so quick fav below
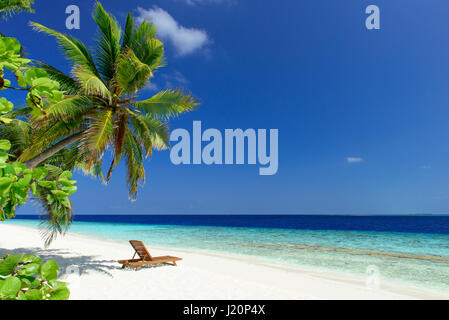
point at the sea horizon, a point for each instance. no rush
(436, 224)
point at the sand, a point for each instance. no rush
(89, 264)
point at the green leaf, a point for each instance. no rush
(27, 258)
(5, 105)
(33, 294)
(47, 184)
(9, 264)
(70, 190)
(21, 296)
(6, 84)
(59, 194)
(65, 175)
(45, 84)
(5, 120)
(9, 45)
(20, 79)
(49, 270)
(34, 189)
(5, 185)
(24, 182)
(29, 269)
(60, 294)
(5, 145)
(9, 170)
(30, 282)
(20, 168)
(33, 74)
(67, 183)
(10, 287)
(40, 173)
(3, 157)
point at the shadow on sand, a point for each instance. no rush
(81, 264)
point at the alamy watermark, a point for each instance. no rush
(372, 280)
(372, 22)
(228, 150)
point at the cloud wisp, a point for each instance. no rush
(185, 40)
(354, 160)
(169, 81)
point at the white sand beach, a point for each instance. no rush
(197, 276)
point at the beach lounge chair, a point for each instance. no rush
(145, 257)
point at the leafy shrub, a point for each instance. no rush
(24, 277)
(16, 180)
(34, 80)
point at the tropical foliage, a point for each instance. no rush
(49, 185)
(101, 110)
(10, 7)
(24, 277)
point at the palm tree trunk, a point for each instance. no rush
(33, 163)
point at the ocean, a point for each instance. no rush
(413, 250)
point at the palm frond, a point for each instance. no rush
(18, 113)
(66, 83)
(47, 135)
(160, 134)
(168, 103)
(90, 83)
(11, 7)
(151, 132)
(69, 109)
(56, 218)
(135, 169)
(108, 42)
(128, 34)
(142, 131)
(100, 134)
(119, 136)
(147, 47)
(132, 74)
(19, 134)
(74, 50)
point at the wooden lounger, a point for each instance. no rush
(145, 257)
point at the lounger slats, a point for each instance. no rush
(145, 257)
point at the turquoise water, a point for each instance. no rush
(418, 259)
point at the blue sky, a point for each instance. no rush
(308, 68)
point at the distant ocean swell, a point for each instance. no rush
(350, 251)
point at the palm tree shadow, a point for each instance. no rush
(84, 263)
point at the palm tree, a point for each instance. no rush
(10, 7)
(101, 110)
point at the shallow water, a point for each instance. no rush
(416, 259)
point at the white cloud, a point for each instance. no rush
(426, 167)
(175, 79)
(152, 87)
(170, 80)
(354, 160)
(185, 40)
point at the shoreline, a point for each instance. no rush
(200, 275)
